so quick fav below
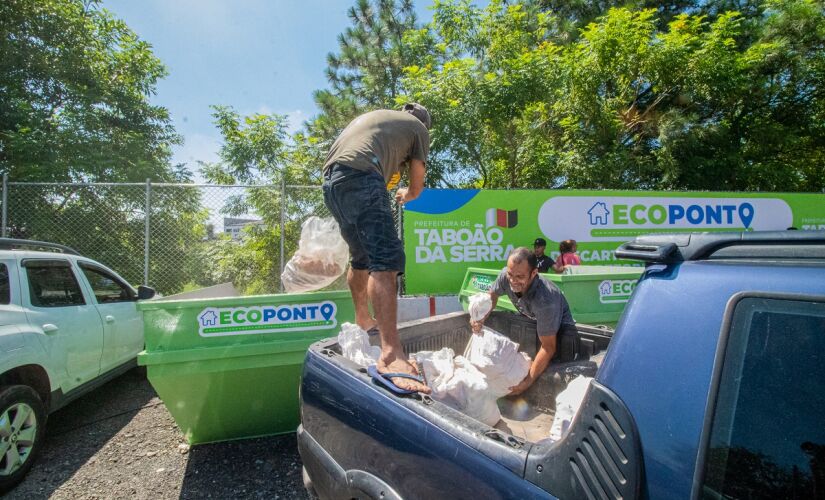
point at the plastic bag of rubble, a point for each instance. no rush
(499, 359)
(458, 384)
(355, 345)
(321, 257)
(479, 305)
(567, 405)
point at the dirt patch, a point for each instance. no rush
(120, 442)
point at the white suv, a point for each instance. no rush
(67, 325)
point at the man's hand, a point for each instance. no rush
(401, 196)
(522, 386)
(476, 326)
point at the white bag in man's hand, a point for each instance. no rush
(321, 257)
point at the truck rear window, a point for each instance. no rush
(768, 437)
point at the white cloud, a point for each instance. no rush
(295, 120)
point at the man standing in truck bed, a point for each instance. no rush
(363, 163)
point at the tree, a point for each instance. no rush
(257, 151)
(75, 84)
(721, 102)
(366, 72)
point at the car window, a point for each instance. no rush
(106, 287)
(53, 284)
(768, 433)
(5, 289)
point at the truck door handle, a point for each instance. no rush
(109, 318)
(50, 328)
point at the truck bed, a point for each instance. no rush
(530, 415)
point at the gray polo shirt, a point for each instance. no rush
(543, 302)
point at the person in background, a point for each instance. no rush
(543, 262)
(538, 299)
(567, 256)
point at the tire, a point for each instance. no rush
(22, 427)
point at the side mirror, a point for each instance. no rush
(145, 292)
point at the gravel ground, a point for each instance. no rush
(120, 442)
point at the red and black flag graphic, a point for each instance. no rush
(502, 218)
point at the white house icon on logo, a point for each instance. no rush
(598, 214)
(208, 318)
(604, 288)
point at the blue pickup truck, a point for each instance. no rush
(712, 386)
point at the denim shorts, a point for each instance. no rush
(360, 203)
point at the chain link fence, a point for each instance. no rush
(173, 237)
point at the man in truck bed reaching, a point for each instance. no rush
(538, 299)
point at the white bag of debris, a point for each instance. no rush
(321, 257)
(458, 384)
(479, 305)
(355, 345)
(499, 359)
(567, 405)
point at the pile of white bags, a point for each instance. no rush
(355, 345)
(321, 257)
(472, 384)
(567, 405)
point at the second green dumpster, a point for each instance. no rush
(230, 368)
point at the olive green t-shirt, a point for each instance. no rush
(383, 141)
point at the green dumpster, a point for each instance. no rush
(597, 295)
(230, 368)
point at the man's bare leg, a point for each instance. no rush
(382, 294)
(357, 280)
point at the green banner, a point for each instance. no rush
(446, 231)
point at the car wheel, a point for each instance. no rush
(22, 426)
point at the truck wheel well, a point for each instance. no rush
(33, 376)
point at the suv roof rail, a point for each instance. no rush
(672, 248)
(14, 243)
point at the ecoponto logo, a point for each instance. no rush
(620, 218)
(616, 291)
(218, 321)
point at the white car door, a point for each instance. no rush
(71, 328)
(122, 322)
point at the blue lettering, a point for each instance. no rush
(694, 214)
(675, 212)
(299, 313)
(729, 213)
(269, 313)
(311, 310)
(714, 214)
(284, 314)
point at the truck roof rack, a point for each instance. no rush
(14, 243)
(753, 245)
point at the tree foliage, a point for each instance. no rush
(75, 84)
(366, 72)
(716, 101)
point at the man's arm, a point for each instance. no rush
(475, 326)
(418, 171)
(543, 357)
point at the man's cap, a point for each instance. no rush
(419, 112)
(540, 242)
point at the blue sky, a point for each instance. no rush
(254, 55)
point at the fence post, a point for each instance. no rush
(147, 232)
(283, 214)
(5, 204)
